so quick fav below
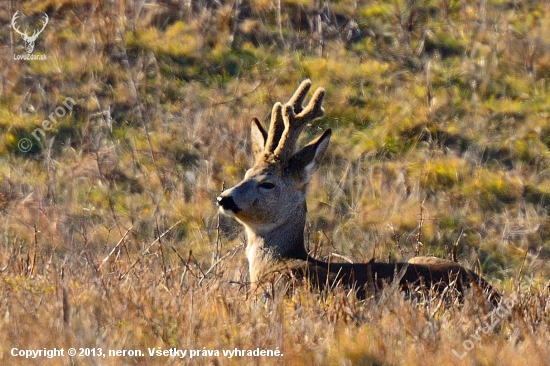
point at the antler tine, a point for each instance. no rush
(15, 27)
(276, 128)
(44, 22)
(295, 122)
(314, 109)
(299, 95)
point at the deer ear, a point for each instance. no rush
(259, 137)
(305, 162)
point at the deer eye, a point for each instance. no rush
(267, 185)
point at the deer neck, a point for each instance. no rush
(284, 241)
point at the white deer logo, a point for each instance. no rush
(29, 40)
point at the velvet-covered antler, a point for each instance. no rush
(288, 121)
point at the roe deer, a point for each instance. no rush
(270, 203)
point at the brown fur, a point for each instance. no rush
(372, 276)
(420, 273)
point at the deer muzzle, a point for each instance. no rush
(227, 204)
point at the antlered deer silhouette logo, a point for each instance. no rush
(29, 40)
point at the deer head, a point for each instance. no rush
(29, 40)
(270, 202)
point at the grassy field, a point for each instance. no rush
(114, 147)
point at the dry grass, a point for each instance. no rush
(163, 298)
(110, 232)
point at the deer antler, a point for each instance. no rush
(276, 129)
(35, 34)
(295, 118)
(44, 23)
(288, 121)
(15, 27)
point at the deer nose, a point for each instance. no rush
(227, 203)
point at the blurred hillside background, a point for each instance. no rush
(441, 135)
